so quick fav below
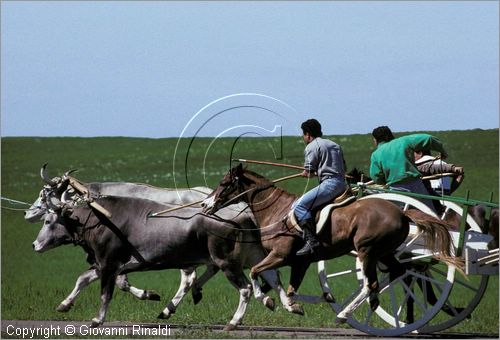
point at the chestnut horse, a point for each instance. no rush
(373, 227)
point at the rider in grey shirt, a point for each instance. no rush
(324, 158)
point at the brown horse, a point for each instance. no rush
(373, 227)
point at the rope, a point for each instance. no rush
(15, 202)
(15, 209)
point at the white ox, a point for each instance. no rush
(50, 200)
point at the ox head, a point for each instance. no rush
(53, 233)
(49, 198)
(227, 192)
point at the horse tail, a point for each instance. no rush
(437, 237)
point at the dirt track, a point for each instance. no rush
(40, 329)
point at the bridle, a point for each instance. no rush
(239, 187)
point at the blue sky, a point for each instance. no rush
(147, 69)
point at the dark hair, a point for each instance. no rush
(313, 127)
(382, 134)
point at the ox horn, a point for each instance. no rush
(66, 203)
(67, 173)
(45, 177)
(64, 197)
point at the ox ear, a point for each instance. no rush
(66, 211)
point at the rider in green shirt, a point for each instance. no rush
(393, 162)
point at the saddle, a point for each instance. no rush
(323, 212)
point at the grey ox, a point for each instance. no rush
(50, 200)
(131, 241)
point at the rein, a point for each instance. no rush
(285, 230)
(260, 187)
(77, 233)
(17, 202)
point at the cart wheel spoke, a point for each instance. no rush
(418, 295)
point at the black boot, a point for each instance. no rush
(312, 243)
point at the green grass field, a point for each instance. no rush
(34, 284)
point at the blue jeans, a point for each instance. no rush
(416, 186)
(325, 192)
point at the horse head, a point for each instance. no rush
(231, 189)
(355, 176)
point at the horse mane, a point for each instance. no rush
(263, 180)
(256, 175)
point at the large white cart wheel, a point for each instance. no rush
(390, 317)
(466, 293)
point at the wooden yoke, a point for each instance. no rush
(83, 190)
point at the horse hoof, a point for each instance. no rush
(153, 296)
(163, 316)
(409, 321)
(96, 323)
(297, 309)
(329, 297)
(269, 303)
(197, 296)
(64, 308)
(340, 320)
(229, 327)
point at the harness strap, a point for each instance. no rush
(259, 187)
(285, 230)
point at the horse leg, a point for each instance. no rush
(198, 283)
(429, 296)
(369, 289)
(396, 270)
(370, 271)
(83, 281)
(297, 273)
(271, 261)
(141, 294)
(237, 277)
(432, 299)
(285, 299)
(255, 255)
(272, 278)
(187, 278)
(410, 303)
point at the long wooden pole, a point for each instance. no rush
(174, 209)
(269, 163)
(251, 161)
(435, 176)
(286, 177)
